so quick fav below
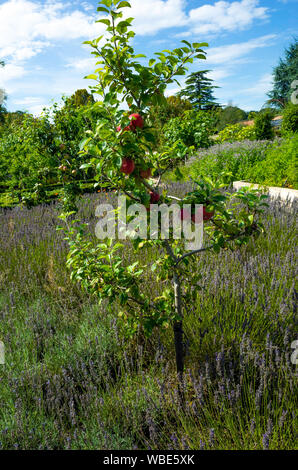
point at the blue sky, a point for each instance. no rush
(41, 43)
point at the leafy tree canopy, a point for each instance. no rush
(199, 90)
(80, 98)
(230, 115)
(283, 76)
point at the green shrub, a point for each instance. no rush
(235, 158)
(32, 149)
(290, 119)
(263, 162)
(279, 168)
(193, 129)
(236, 132)
(28, 152)
(263, 126)
(229, 115)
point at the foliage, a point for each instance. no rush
(236, 132)
(260, 162)
(120, 148)
(236, 159)
(174, 106)
(28, 152)
(199, 91)
(43, 151)
(79, 98)
(193, 129)
(290, 119)
(263, 126)
(283, 76)
(252, 115)
(279, 168)
(229, 115)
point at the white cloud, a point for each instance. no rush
(226, 16)
(153, 15)
(86, 65)
(219, 74)
(26, 27)
(261, 87)
(33, 104)
(28, 100)
(8, 73)
(233, 52)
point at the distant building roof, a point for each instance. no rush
(247, 123)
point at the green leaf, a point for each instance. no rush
(107, 22)
(124, 4)
(85, 165)
(91, 77)
(103, 9)
(196, 45)
(187, 43)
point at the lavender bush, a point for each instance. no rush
(262, 161)
(72, 380)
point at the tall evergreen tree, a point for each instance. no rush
(283, 76)
(199, 90)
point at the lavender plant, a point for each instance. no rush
(72, 379)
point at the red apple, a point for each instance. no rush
(207, 215)
(145, 173)
(127, 166)
(119, 129)
(154, 197)
(136, 121)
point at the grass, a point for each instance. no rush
(72, 380)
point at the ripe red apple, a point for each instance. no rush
(119, 129)
(136, 121)
(145, 173)
(154, 197)
(207, 215)
(127, 166)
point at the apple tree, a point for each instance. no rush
(122, 153)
